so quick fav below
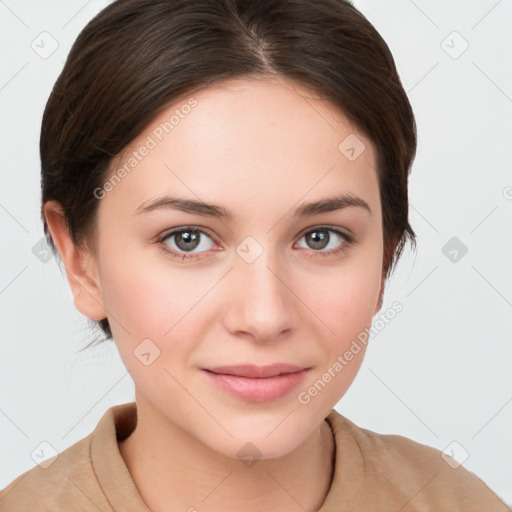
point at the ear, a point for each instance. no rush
(388, 256)
(80, 265)
(381, 294)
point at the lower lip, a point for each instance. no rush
(257, 390)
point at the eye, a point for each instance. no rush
(186, 242)
(323, 237)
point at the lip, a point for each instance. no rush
(257, 383)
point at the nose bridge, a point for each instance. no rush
(262, 305)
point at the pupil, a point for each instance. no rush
(186, 238)
(319, 239)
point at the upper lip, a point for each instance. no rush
(252, 371)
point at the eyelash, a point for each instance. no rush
(348, 240)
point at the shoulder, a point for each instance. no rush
(418, 476)
(90, 475)
(64, 482)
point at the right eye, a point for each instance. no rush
(186, 242)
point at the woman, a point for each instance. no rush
(274, 138)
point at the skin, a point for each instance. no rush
(259, 148)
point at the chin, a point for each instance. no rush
(249, 450)
(263, 436)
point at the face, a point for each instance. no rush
(234, 316)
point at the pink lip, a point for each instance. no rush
(257, 383)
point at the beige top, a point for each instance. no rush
(373, 472)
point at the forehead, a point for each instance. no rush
(241, 139)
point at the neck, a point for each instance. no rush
(174, 471)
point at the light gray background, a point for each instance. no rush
(439, 372)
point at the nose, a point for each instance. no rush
(261, 304)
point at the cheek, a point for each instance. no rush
(346, 311)
(135, 303)
(143, 296)
(145, 314)
(347, 299)
(151, 302)
(345, 303)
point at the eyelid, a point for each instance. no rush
(344, 231)
(168, 232)
(186, 226)
(171, 231)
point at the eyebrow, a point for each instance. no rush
(192, 206)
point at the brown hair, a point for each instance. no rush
(138, 56)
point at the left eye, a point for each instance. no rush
(320, 238)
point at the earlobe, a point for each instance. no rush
(81, 269)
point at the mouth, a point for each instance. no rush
(257, 383)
